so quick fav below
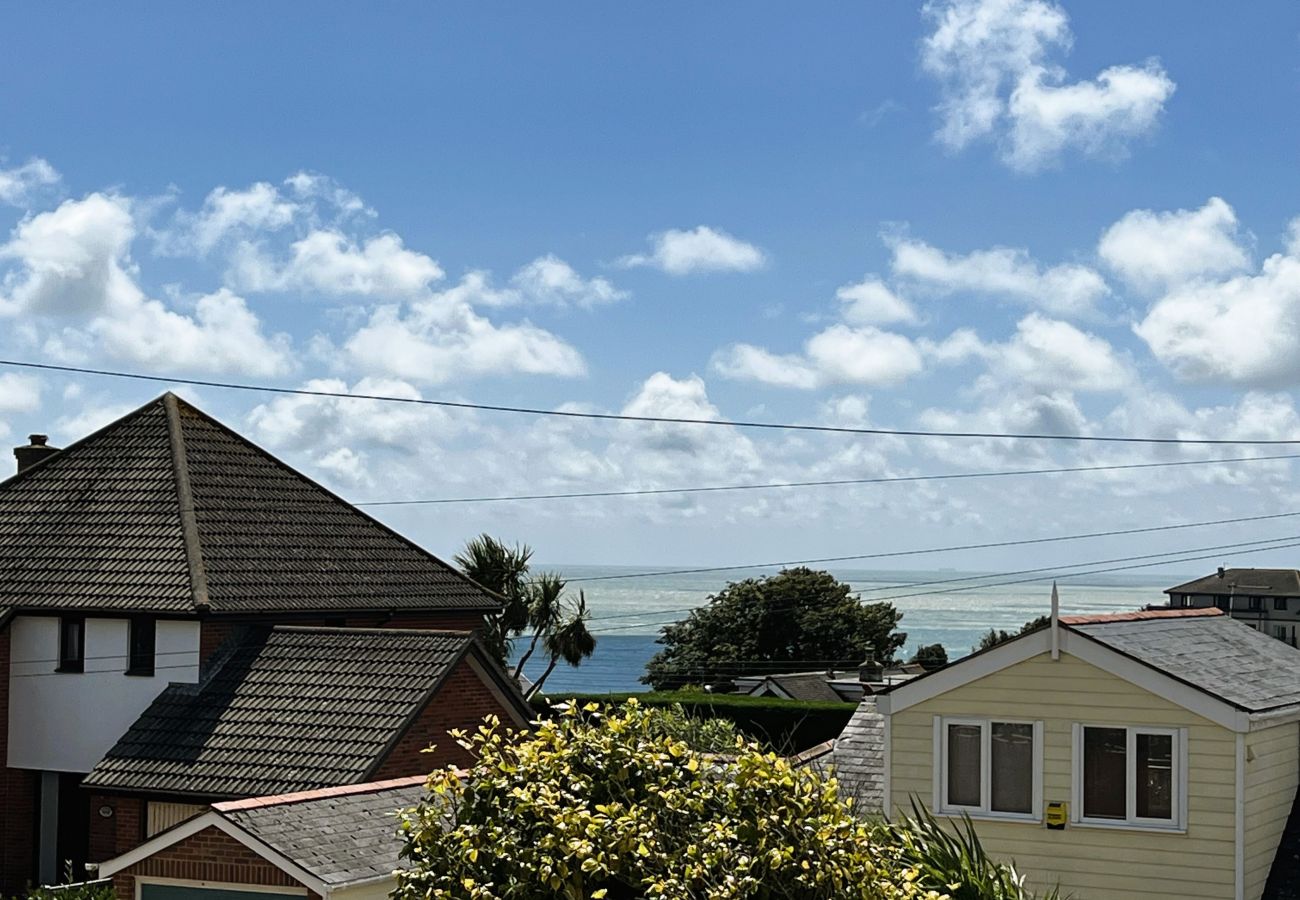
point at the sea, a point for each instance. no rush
(942, 606)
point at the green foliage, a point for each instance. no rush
(615, 808)
(559, 625)
(932, 656)
(707, 735)
(997, 636)
(787, 726)
(957, 859)
(89, 890)
(800, 619)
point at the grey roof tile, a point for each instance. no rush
(288, 709)
(859, 758)
(99, 525)
(1215, 653)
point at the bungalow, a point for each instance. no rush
(1146, 754)
(334, 844)
(142, 571)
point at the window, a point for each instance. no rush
(72, 644)
(989, 767)
(1254, 603)
(143, 632)
(1129, 776)
(1222, 603)
(1279, 603)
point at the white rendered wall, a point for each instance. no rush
(65, 721)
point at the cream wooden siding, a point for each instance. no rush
(161, 816)
(1272, 776)
(1092, 863)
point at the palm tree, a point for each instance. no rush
(545, 611)
(503, 570)
(569, 640)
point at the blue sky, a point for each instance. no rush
(995, 214)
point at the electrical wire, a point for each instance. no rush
(943, 476)
(623, 417)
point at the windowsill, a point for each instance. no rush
(1019, 818)
(1133, 826)
(71, 670)
(140, 673)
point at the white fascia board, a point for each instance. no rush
(963, 672)
(213, 819)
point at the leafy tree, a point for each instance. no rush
(559, 625)
(799, 619)
(997, 636)
(932, 656)
(614, 807)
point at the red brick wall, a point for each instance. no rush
(118, 833)
(17, 800)
(462, 702)
(209, 855)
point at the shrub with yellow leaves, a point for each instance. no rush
(612, 806)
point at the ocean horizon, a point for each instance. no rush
(939, 606)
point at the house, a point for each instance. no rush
(334, 844)
(1145, 754)
(148, 555)
(848, 685)
(1267, 600)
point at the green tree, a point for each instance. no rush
(612, 806)
(997, 636)
(799, 619)
(539, 603)
(931, 656)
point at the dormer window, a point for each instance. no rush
(143, 635)
(72, 644)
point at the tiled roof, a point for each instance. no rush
(341, 835)
(803, 685)
(1214, 653)
(1248, 582)
(288, 709)
(168, 510)
(859, 759)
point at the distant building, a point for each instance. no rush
(1267, 600)
(849, 685)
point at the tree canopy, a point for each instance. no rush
(931, 656)
(799, 620)
(996, 636)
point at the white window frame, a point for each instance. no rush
(1132, 820)
(983, 811)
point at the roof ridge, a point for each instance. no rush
(185, 497)
(371, 629)
(1141, 614)
(369, 787)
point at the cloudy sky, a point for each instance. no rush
(997, 215)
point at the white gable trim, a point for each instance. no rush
(1081, 647)
(193, 826)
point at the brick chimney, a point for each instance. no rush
(35, 451)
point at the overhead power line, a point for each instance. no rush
(1257, 545)
(1060, 576)
(927, 550)
(663, 420)
(841, 482)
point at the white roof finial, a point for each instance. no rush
(1056, 617)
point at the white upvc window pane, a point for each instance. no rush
(1154, 781)
(964, 765)
(1012, 767)
(1105, 773)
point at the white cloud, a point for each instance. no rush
(1153, 250)
(440, 337)
(258, 208)
(702, 249)
(837, 355)
(991, 58)
(71, 269)
(871, 302)
(1244, 329)
(19, 393)
(1065, 289)
(19, 184)
(333, 264)
(550, 280)
(1043, 355)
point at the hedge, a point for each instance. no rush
(789, 726)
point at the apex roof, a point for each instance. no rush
(288, 709)
(167, 510)
(1258, 582)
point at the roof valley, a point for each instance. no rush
(185, 498)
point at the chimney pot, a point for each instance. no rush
(36, 450)
(1221, 573)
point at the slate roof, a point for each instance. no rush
(859, 759)
(801, 686)
(287, 709)
(1250, 582)
(1205, 649)
(341, 835)
(167, 510)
